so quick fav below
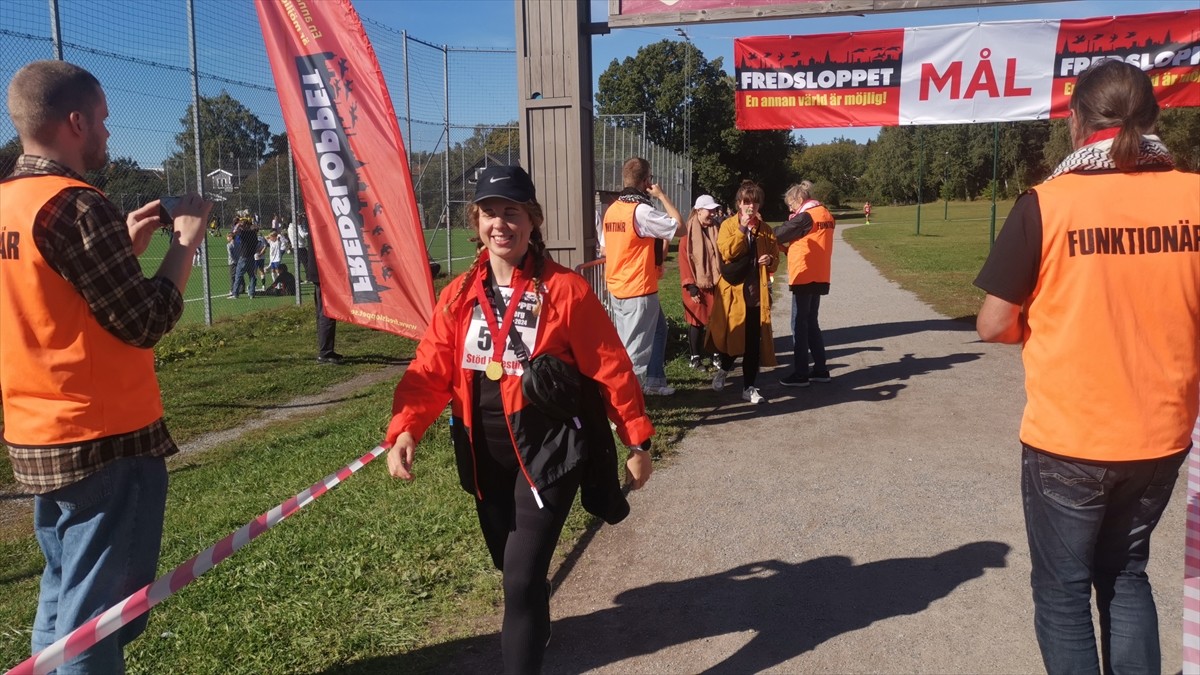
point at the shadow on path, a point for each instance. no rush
(879, 331)
(789, 608)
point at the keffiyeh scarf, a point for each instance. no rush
(1098, 156)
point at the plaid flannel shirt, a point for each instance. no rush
(84, 238)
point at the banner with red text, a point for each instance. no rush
(353, 169)
(984, 72)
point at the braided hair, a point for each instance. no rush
(537, 248)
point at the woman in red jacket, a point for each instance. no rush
(523, 465)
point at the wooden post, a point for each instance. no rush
(554, 87)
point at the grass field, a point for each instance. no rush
(940, 264)
(375, 574)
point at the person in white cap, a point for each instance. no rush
(699, 267)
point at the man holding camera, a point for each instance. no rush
(78, 321)
(635, 237)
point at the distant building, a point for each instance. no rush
(228, 179)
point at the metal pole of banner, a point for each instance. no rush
(446, 163)
(295, 219)
(207, 283)
(408, 140)
(55, 30)
(920, 174)
(995, 179)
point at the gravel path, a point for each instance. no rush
(868, 525)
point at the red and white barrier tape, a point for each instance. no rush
(141, 601)
(1191, 562)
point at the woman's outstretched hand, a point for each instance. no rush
(400, 456)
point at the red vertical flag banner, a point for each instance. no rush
(362, 212)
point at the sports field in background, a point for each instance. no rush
(462, 248)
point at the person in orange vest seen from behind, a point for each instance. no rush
(807, 236)
(83, 418)
(631, 227)
(1097, 273)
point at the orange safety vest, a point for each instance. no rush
(629, 269)
(65, 379)
(809, 256)
(1112, 356)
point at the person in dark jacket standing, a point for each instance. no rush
(326, 327)
(522, 465)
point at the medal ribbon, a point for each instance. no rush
(500, 333)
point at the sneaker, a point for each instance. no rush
(658, 391)
(820, 376)
(695, 363)
(752, 395)
(795, 380)
(718, 382)
(333, 358)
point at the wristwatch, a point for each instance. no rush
(644, 446)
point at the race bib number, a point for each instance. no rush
(478, 346)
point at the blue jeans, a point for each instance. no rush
(656, 372)
(806, 334)
(1089, 525)
(100, 537)
(245, 266)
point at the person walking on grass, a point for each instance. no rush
(83, 417)
(807, 238)
(522, 465)
(740, 323)
(1096, 274)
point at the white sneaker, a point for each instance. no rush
(718, 382)
(751, 394)
(658, 391)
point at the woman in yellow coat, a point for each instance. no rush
(740, 323)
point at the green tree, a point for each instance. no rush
(891, 173)
(9, 152)
(1179, 129)
(278, 145)
(231, 137)
(672, 82)
(126, 183)
(1058, 144)
(267, 191)
(841, 163)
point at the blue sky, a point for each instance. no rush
(146, 102)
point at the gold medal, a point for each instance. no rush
(494, 370)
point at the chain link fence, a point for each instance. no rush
(456, 108)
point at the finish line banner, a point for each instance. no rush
(984, 72)
(352, 165)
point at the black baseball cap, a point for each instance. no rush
(507, 182)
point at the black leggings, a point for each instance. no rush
(695, 340)
(753, 347)
(521, 538)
